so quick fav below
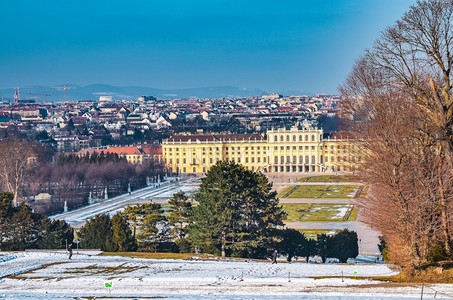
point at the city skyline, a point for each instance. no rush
(300, 46)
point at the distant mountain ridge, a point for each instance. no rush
(94, 91)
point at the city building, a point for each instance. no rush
(298, 149)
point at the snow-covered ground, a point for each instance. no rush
(47, 275)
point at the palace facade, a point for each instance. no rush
(298, 149)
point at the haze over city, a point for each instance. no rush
(291, 48)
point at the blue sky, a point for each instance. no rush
(277, 46)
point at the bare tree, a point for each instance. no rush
(17, 157)
(399, 97)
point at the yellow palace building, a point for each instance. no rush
(298, 149)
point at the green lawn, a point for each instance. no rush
(319, 191)
(328, 178)
(318, 212)
(313, 233)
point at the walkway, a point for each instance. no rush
(78, 217)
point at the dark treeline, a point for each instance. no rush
(146, 228)
(21, 229)
(87, 158)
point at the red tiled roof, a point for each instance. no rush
(117, 150)
(124, 150)
(152, 151)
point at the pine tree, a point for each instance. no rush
(324, 244)
(122, 239)
(181, 210)
(54, 234)
(96, 232)
(345, 245)
(21, 230)
(236, 212)
(293, 243)
(148, 221)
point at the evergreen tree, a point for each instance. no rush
(138, 134)
(70, 125)
(96, 232)
(122, 239)
(6, 208)
(309, 250)
(21, 230)
(181, 210)
(293, 243)
(149, 224)
(324, 246)
(42, 135)
(236, 212)
(54, 234)
(345, 245)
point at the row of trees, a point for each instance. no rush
(89, 158)
(399, 97)
(22, 229)
(26, 169)
(237, 214)
(342, 245)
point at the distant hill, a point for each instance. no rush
(92, 92)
